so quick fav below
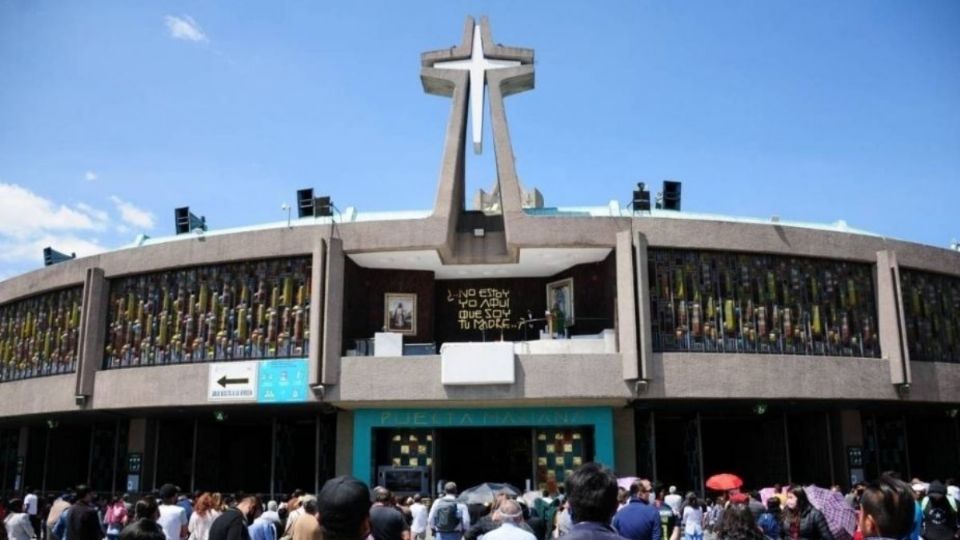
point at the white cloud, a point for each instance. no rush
(24, 214)
(123, 229)
(30, 222)
(90, 176)
(184, 28)
(133, 215)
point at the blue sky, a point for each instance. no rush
(113, 113)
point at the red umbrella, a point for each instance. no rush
(724, 482)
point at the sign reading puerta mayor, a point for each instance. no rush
(266, 381)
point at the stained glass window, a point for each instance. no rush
(737, 302)
(247, 310)
(931, 305)
(38, 335)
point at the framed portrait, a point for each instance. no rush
(560, 300)
(400, 313)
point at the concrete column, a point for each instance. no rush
(892, 322)
(624, 442)
(644, 322)
(139, 441)
(317, 274)
(344, 456)
(333, 312)
(627, 306)
(93, 328)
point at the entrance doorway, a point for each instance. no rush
(470, 456)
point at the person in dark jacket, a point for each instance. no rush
(801, 521)
(233, 523)
(592, 496)
(638, 520)
(83, 523)
(142, 529)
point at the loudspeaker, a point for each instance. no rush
(185, 221)
(305, 202)
(671, 195)
(52, 256)
(323, 207)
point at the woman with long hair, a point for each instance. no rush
(736, 523)
(801, 521)
(204, 512)
(691, 518)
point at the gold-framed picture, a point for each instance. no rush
(400, 313)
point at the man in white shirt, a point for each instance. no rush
(673, 500)
(448, 518)
(509, 515)
(419, 513)
(173, 518)
(32, 508)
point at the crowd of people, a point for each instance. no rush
(589, 506)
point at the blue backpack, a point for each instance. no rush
(769, 524)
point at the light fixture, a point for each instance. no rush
(760, 408)
(952, 413)
(185, 221)
(219, 416)
(52, 424)
(52, 256)
(318, 391)
(641, 386)
(903, 390)
(479, 232)
(80, 400)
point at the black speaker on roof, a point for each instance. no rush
(305, 202)
(671, 195)
(323, 207)
(641, 198)
(52, 256)
(185, 221)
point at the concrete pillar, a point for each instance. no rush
(93, 329)
(892, 322)
(333, 312)
(344, 456)
(317, 274)
(644, 322)
(627, 306)
(624, 442)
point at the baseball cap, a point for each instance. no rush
(343, 503)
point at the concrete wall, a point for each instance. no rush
(406, 381)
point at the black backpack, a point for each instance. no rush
(448, 516)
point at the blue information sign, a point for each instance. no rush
(283, 381)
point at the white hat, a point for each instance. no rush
(920, 487)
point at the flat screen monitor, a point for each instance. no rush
(404, 480)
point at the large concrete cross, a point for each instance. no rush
(478, 64)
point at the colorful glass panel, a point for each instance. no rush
(39, 335)
(736, 302)
(558, 453)
(931, 306)
(247, 310)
